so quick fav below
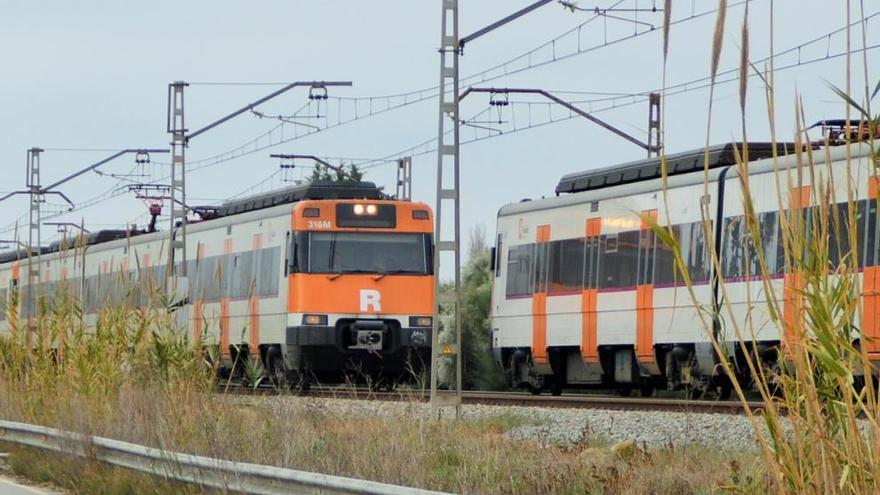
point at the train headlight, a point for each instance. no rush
(420, 321)
(359, 209)
(314, 319)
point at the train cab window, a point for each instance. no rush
(362, 252)
(566, 265)
(519, 270)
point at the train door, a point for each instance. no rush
(645, 295)
(540, 355)
(589, 341)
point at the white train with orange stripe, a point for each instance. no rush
(585, 294)
(324, 281)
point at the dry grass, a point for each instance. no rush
(132, 378)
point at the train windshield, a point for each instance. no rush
(361, 252)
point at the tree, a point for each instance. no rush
(350, 173)
(479, 370)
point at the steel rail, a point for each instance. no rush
(580, 401)
(236, 477)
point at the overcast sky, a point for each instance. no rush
(94, 74)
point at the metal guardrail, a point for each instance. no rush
(237, 477)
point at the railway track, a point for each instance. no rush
(579, 401)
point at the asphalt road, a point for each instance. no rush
(10, 487)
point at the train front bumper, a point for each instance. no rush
(344, 338)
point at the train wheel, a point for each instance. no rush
(725, 389)
(647, 391)
(624, 392)
(277, 371)
(556, 389)
(693, 393)
(534, 390)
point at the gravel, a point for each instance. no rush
(559, 426)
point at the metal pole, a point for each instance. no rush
(654, 143)
(404, 178)
(99, 163)
(567, 105)
(447, 155)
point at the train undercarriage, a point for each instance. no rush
(693, 368)
(374, 353)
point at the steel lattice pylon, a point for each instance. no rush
(34, 242)
(177, 235)
(404, 178)
(448, 160)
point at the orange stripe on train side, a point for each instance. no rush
(589, 340)
(589, 305)
(224, 327)
(800, 197)
(871, 294)
(198, 319)
(645, 307)
(224, 309)
(539, 310)
(254, 308)
(539, 328)
(793, 283)
(652, 214)
(871, 305)
(792, 307)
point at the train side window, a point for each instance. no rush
(733, 248)
(665, 272)
(542, 267)
(566, 265)
(3, 296)
(618, 267)
(870, 248)
(496, 257)
(270, 259)
(519, 270)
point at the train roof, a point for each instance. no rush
(18, 254)
(680, 163)
(301, 192)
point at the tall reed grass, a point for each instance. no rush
(818, 433)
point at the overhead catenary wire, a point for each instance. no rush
(424, 147)
(616, 100)
(693, 85)
(358, 108)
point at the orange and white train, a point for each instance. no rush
(322, 281)
(586, 295)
